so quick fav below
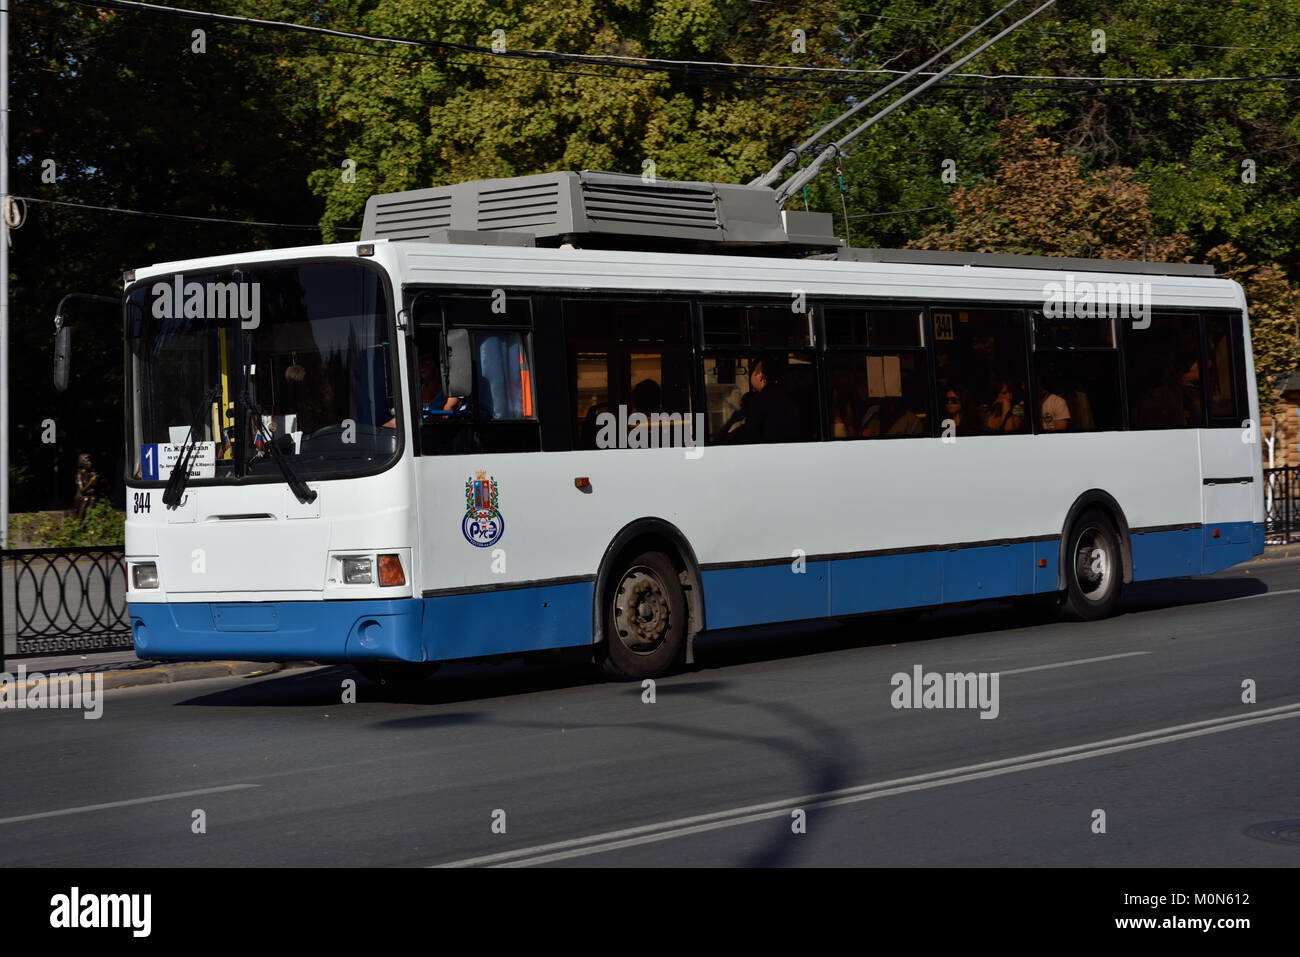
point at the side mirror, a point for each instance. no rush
(63, 337)
(460, 363)
(62, 353)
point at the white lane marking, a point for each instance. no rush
(1263, 594)
(143, 800)
(1077, 661)
(681, 827)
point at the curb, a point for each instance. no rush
(193, 671)
(170, 674)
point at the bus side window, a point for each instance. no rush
(1164, 376)
(760, 374)
(1222, 349)
(497, 413)
(630, 370)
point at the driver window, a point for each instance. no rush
(497, 414)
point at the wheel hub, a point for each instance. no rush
(1093, 563)
(641, 611)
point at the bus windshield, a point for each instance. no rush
(296, 355)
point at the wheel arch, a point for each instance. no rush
(1100, 498)
(660, 535)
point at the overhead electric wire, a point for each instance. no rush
(729, 73)
(177, 216)
(788, 188)
(648, 64)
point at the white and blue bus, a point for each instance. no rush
(401, 453)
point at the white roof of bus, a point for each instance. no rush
(594, 269)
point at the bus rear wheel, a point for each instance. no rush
(645, 618)
(1093, 571)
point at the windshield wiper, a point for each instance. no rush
(181, 471)
(299, 487)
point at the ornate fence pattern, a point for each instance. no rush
(63, 601)
(1282, 505)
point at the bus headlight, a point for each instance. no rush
(358, 571)
(144, 575)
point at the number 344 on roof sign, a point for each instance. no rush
(483, 524)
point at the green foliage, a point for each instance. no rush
(103, 525)
(416, 118)
(1042, 203)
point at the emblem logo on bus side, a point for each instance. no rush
(483, 524)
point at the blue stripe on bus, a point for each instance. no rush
(511, 621)
(411, 629)
(508, 621)
(852, 586)
(734, 597)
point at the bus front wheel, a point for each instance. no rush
(1093, 570)
(645, 618)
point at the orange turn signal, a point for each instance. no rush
(1215, 533)
(582, 482)
(1042, 563)
(390, 570)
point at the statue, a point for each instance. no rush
(87, 482)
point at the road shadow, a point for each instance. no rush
(1169, 593)
(455, 682)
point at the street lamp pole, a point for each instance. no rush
(4, 273)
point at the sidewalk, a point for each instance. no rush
(121, 669)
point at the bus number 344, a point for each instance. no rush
(140, 503)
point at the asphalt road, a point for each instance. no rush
(1140, 717)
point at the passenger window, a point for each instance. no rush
(873, 395)
(979, 356)
(756, 327)
(1076, 368)
(1223, 348)
(760, 375)
(1164, 373)
(879, 328)
(876, 379)
(629, 373)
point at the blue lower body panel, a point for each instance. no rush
(734, 597)
(1195, 551)
(438, 628)
(516, 620)
(854, 586)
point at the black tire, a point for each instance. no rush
(398, 674)
(1093, 567)
(645, 618)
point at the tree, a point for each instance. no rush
(1041, 202)
(120, 109)
(414, 118)
(1274, 304)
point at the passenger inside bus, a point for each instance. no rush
(770, 414)
(1055, 410)
(1007, 411)
(890, 418)
(960, 409)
